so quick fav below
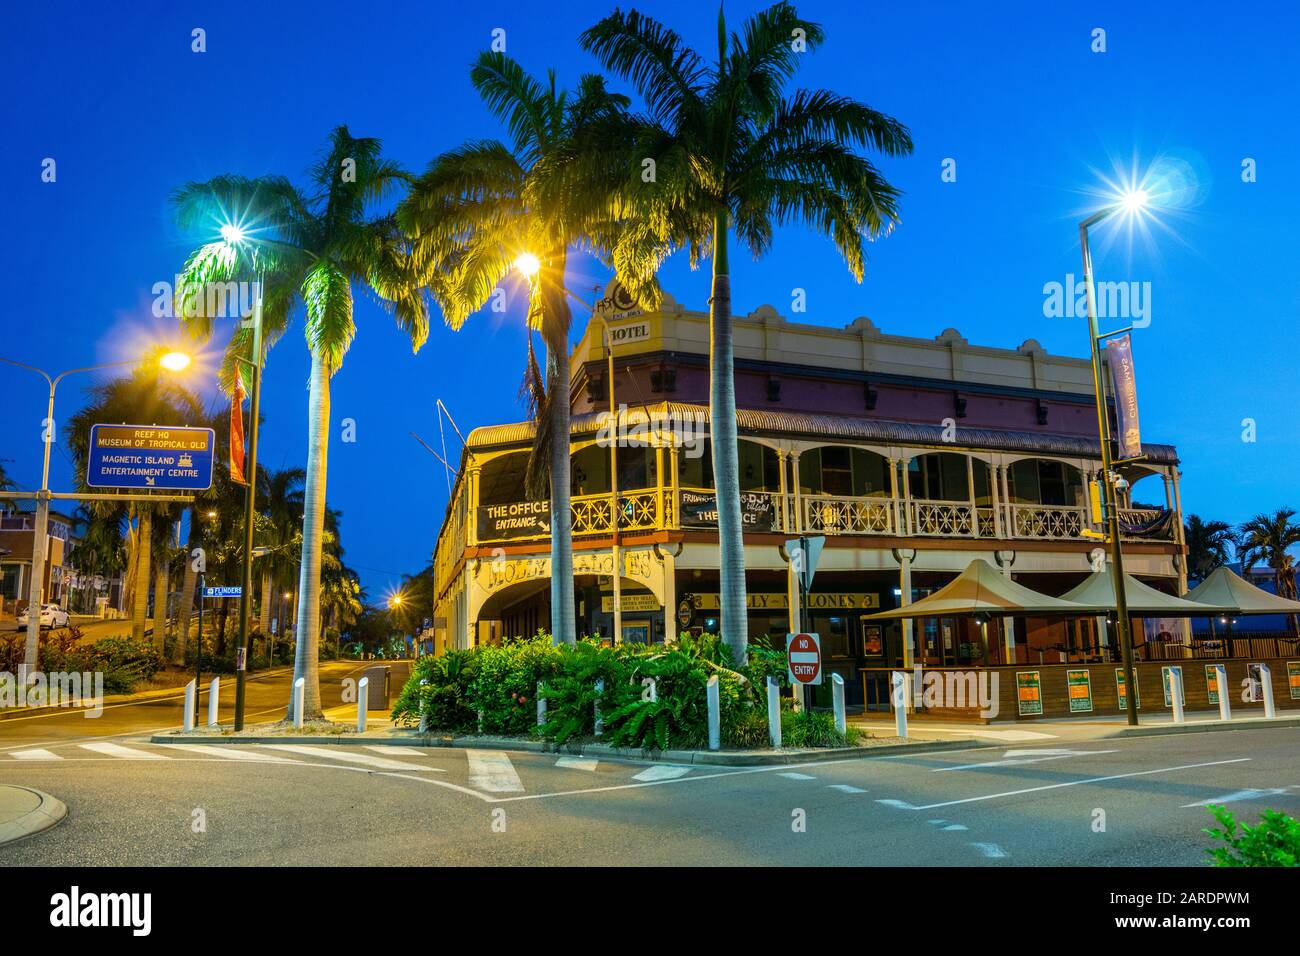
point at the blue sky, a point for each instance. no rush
(1033, 118)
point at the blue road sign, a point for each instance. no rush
(224, 592)
(151, 456)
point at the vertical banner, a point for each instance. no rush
(1119, 352)
(1212, 683)
(1122, 693)
(1167, 681)
(1293, 678)
(237, 432)
(1029, 693)
(1079, 687)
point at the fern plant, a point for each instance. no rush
(1274, 841)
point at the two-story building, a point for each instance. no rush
(912, 456)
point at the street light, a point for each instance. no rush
(36, 587)
(175, 361)
(1133, 201)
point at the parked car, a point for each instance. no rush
(51, 616)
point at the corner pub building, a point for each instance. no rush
(912, 456)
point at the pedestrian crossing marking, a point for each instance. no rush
(397, 751)
(791, 775)
(664, 772)
(341, 752)
(230, 752)
(491, 770)
(36, 753)
(845, 788)
(991, 851)
(124, 753)
(577, 763)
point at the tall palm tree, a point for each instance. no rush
(733, 151)
(1270, 538)
(1209, 545)
(146, 395)
(478, 208)
(281, 504)
(310, 248)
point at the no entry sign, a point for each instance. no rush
(805, 654)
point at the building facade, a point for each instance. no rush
(911, 456)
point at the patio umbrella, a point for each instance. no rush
(1097, 594)
(1225, 591)
(983, 589)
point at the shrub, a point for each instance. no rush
(438, 690)
(504, 688)
(1274, 841)
(571, 693)
(811, 728)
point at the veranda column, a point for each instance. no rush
(995, 475)
(798, 500)
(893, 496)
(905, 556)
(783, 511)
(970, 490)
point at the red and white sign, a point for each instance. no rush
(805, 654)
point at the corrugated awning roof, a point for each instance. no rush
(813, 425)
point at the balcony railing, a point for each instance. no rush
(649, 509)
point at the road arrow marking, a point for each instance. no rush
(1241, 795)
(791, 775)
(900, 804)
(667, 772)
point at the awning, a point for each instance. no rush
(983, 589)
(1097, 594)
(1226, 591)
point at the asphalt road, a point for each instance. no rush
(1133, 802)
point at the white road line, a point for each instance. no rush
(991, 851)
(36, 753)
(791, 775)
(230, 752)
(577, 763)
(491, 770)
(1016, 761)
(126, 753)
(845, 788)
(900, 804)
(666, 772)
(397, 751)
(1241, 795)
(1068, 783)
(1010, 735)
(342, 752)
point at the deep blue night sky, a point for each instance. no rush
(1013, 94)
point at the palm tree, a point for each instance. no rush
(732, 150)
(1209, 545)
(1270, 538)
(146, 395)
(478, 208)
(281, 504)
(306, 248)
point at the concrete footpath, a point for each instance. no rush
(25, 810)
(878, 741)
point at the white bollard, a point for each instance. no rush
(299, 693)
(1266, 682)
(837, 702)
(363, 703)
(541, 706)
(600, 723)
(191, 690)
(1221, 681)
(900, 695)
(214, 697)
(1176, 694)
(774, 712)
(711, 696)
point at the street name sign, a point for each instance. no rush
(150, 456)
(805, 654)
(224, 592)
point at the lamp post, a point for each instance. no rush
(172, 362)
(1132, 202)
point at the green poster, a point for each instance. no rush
(1078, 684)
(1123, 694)
(1212, 683)
(1029, 693)
(1293, 678)
(1164, 679)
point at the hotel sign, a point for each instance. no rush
(837, 601)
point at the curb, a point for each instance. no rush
(49, 812)
(722, 758)
(1202, 727)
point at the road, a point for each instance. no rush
(1131, 802)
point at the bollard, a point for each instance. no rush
(541, 706)
(299, 692)
(714, 701)
(1176, 693)
(1266, 686)
(774, 712)
(363, 704)
(837, 701)
(600, 691)
(191, 691)
(900, 696)
(1221, 681)
(214, 695)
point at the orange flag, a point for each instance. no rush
(237, 433)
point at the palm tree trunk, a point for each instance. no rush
(188, 583)
(264, 622)
(726, 467)
(563, 623)
(307, 631)
(160, 606)
(140, 596)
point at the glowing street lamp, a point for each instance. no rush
(528, 265)
(232, 235)
(175, 361)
